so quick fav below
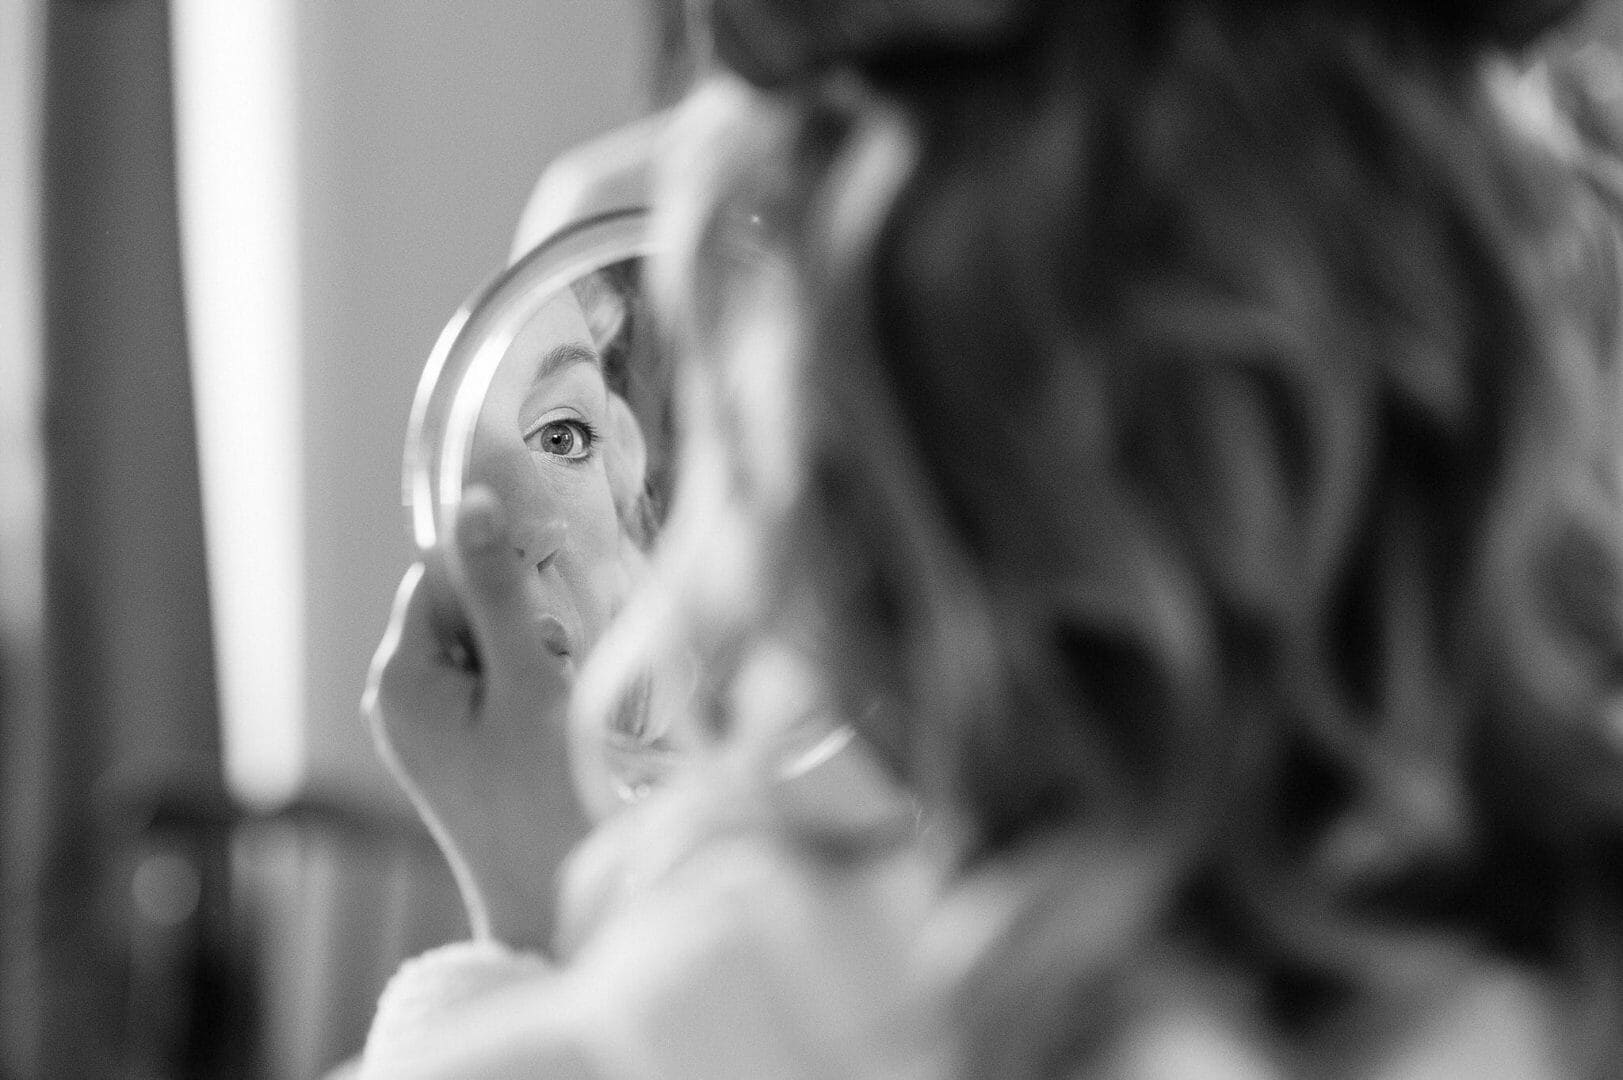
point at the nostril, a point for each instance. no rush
(554, 636)
(537, 543)
(527, 556)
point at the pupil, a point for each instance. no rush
(563, 440)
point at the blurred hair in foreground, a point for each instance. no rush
(1199, 470)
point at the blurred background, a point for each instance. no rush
(230, 231)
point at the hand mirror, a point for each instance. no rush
(576, 298)
(551, 387)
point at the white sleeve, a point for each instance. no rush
(748, 961)
(700, 942)
(429, 987)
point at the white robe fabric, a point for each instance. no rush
(721, 928)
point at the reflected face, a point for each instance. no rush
(545, 442)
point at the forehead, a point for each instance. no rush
(555, 338)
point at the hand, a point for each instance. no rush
(468, 707)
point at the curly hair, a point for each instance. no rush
(1188, 438)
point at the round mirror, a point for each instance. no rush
(552, 388)
(576, 297)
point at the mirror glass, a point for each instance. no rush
(583, 286)
(552, 388)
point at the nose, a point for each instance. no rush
(538, 533)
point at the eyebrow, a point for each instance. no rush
(568, 354)
(556, 359)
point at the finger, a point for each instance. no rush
(494, 582)
(416, 677)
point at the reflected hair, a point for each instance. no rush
(1200, 480)
(636, 366)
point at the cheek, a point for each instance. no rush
(593, 541)
(599, 517)
(586, 506)
(500, 461)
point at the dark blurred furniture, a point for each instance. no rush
(258, 943)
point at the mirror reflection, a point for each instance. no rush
(558, 441)
(552, 390)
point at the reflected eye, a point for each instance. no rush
(570, 439)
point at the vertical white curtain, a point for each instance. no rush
(22, 731)
(235, 105)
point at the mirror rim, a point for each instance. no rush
(457, 375)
